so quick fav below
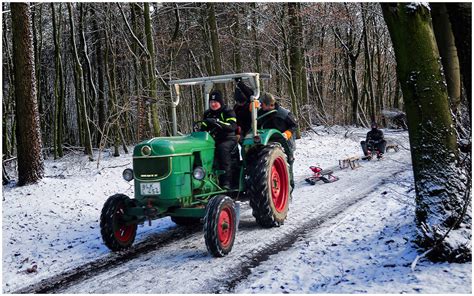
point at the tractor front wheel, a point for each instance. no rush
(268, 186)
(116, 233)
(220, 225)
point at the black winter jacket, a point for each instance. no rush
(226, 121)
(279, 118)
(242, 112)
(375, 135)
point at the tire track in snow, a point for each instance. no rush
(288, 240)
(89, 270)
(75, 276)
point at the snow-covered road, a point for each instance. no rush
(350, 236)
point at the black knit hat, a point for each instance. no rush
(216, 95)
(373, 124)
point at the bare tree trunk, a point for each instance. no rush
(8, 119)
(440, 193)
(352, 56)
(28, 133)
(151, 70)
(140, 70)
(89, 69)
(81, 92)
(215, 46)
(255, 24)
(460, 15)
(237, 34)
(99, 61)
(447, 50)
(59, 88)
(38, 45)
(368, 63)
(113, 108)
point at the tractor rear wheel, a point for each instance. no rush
(268, 186)
(220, 225)
(185, 221)
(116, 233)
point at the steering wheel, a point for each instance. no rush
(198, 124)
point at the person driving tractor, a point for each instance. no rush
(374, 141)
(221, 123)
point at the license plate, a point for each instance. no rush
(150, 188)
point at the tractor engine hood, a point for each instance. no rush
(174, 146)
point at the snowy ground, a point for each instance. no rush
(53, 226)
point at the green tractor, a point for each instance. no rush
(175, 176)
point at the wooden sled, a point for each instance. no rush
(392, 146)
(352, 162)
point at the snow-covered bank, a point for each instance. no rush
(367, 251)
(54, 225)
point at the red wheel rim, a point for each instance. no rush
(279, 184)
(225, 227)
(123, 233)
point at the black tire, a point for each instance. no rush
(186, 221)
(115, 233)
(269, 190)
(220, 225)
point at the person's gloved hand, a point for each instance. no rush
(211, 121)
(238, 79)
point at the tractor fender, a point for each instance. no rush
(267, 136)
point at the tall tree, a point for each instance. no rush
(99, 61)
(440, 203)
(80, 86)
(460, 15)
(59, 88)
(28, 133)
(447, 50)
(352, 50)
(255, 35)
(236, 39)
(215, 46)
(140, 68)
(297, 69)
(153, 79)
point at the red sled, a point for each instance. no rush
(319, 174)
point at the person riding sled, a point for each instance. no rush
(374, 142)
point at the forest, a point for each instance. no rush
(93, 76)
(101, 69)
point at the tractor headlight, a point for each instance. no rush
(146, 150)
(127, 175)
(199, 173)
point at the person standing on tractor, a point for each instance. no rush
(272, 115)
(242, 96)
(374, 141)
(220, 122)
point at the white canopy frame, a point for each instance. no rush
(208, 82)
